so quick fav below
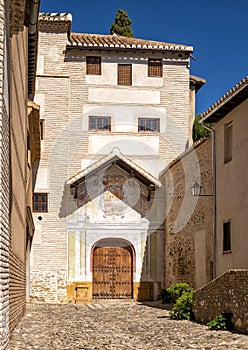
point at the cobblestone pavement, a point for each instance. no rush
(119, 325)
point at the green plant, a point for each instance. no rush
(182, 310)
(198, 130)
(165, 296)
(218, 323)
(177, 290)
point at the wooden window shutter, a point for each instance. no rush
(155, 68)
(124, 74)
(93, 65)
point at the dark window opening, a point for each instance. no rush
(227, 236)
(228, 132)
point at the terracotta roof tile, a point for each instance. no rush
(115, 154)
(237, 94)
(55, 17)
(108, 41)
(115, 41)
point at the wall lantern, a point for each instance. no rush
(196, 191)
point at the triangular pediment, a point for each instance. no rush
(119, 160)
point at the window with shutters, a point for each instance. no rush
(93, 65)
(149, 124)
(228, 143)
(100, 123)
(40, 203)
(124, 74)
(155, 68)
(226, 236)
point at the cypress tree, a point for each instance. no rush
(122, 24)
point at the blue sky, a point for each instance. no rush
(217, 29)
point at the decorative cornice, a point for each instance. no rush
(50, 19)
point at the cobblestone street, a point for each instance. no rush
(114, 325)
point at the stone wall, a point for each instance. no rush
(226, 294)
(48, 286)
(188, 223)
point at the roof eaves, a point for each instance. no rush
(117, 42)
(112, 155)
(214, 108)
(197, 82)
(57, 18)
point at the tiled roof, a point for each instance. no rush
(121, 160)
(197, 82)
(108, 41)
(121, 42)
(226, 103)
(55, 17)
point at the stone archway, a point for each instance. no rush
(112, 263)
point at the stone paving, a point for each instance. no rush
(115, 325)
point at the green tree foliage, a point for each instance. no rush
(199, 131)
(122, 24)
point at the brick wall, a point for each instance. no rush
(4, 184)
(226, 294)
(188, 223)
(17, 290)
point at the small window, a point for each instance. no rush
(155, 68)
(149, 124)
(100, 123)
(124, 74)
(93, 65)
(228, 132)
(226, 236)
(40, 203)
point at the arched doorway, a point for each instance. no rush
(112, 270)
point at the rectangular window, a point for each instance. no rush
(228, 144)
(124, 74)
(100, 123)
(40, 203)
(226, 236)
(149, 124)
(155, 68)
(93, 65)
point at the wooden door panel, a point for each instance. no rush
(112, 272)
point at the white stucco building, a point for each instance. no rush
(115, 111)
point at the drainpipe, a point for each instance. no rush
(214, 194)
(33, 18)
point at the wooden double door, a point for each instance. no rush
(112, 271)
